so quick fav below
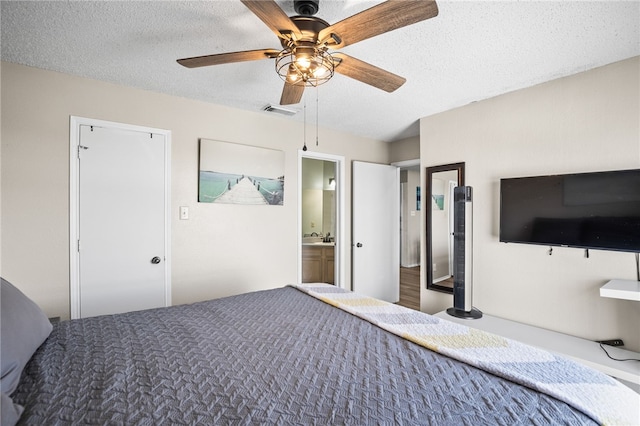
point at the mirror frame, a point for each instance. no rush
(459, 167)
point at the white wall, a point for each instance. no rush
(222, 249)
(586, 122)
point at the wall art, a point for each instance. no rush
(232, 173)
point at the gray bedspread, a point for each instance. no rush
(270, 357)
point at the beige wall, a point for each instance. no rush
(221, 250)
(586, 122)
(405, 149)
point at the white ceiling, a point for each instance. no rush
(471, 51)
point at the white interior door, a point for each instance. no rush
(376, 230)
(122, 220)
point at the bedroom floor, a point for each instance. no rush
(410, 287)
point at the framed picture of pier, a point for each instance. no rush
(232, 173)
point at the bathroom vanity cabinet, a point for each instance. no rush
(318, 263)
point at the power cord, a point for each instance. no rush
(617, 359)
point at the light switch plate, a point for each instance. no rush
(184, 213)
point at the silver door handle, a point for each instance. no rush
(155, 260)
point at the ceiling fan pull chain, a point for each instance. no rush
(317, 115)
(304, 109)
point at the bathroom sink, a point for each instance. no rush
(307, 240)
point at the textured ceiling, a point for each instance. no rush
(471, 51)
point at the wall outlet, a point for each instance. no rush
(435, 268)
(612, 342)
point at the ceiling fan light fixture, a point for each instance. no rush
(305, 65)
(306, 39)
(303, 62)
(293, 78)
(319, 72)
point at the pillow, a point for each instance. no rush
(10, 412)
(23, 328)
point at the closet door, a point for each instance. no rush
(122, 220)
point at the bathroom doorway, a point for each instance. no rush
(321, 218)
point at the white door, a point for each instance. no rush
(376, 230)
(122, 220)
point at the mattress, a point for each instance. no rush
(270, 357)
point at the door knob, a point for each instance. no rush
(155, 260)
(359, 245)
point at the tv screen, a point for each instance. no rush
(586, 210)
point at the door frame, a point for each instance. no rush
(341, 239)
(74, 193)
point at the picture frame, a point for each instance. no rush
(231, 173)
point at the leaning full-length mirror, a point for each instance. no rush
(440, 181)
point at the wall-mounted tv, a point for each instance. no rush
(598, 210)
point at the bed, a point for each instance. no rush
(308, 354)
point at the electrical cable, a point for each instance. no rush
(617, 359)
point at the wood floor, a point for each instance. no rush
(410, 287)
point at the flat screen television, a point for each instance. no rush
(599, 210)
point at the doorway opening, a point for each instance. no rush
(321, 238)
(410, 225)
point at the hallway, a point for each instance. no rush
(410, 287)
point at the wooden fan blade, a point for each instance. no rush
(291, 94)
(227, 58)
(387, 16)
(367, 73)
(271, 14)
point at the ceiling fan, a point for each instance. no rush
(305, 59)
